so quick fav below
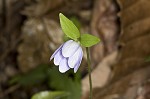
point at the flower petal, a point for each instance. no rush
(77, 65)
(69, 48)
(58, 57)
(76, 58)
(55, 52)
(63, 65)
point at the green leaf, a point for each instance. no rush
(62, 82)
(50, 95)
(88, 40)
(68, 27)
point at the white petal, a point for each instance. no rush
(75, 59)
(55, 52)
(58, 57)
(78, 65)
(63, 65)
(69, 48)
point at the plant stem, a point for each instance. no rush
(89, 71)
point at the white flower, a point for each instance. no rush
(68, 55)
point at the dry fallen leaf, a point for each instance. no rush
(103, 55)
(104, 25)
(130, 70)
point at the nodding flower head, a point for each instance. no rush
(68, 55)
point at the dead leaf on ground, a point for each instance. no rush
(131, 69)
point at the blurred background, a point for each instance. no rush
(30, 32)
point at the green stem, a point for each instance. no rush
(89, 70)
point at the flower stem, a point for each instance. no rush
(89, 70)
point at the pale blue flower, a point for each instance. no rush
(68, 55)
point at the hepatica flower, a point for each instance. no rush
(69, 55)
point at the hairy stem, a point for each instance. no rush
(89, 71)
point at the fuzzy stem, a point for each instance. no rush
(89, 71)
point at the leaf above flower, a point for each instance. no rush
(68, 27)
(88, 40)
